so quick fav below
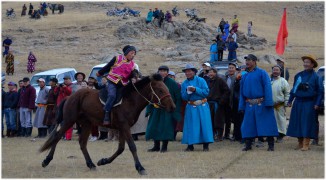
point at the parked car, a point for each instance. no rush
(321, 74)
(53, 73)
(94, 70)
(220, 66)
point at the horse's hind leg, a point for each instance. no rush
(54, 139)
(83, 138)
(120, 149)
(132, 147)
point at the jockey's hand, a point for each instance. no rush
(289, 105)
(97, 74)
(316, 107)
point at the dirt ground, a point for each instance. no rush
(76, 37)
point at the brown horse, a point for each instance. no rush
(84, 108)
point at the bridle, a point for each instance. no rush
(155, 104)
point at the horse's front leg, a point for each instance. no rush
(141, 170)
(120, 149)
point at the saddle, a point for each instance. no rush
(103, 96)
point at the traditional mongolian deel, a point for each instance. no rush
(161, 123)
(259, 119)
(306, 93)
(41, 101)
(197, 121)
(31, 62)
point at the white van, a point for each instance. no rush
(53, 73)
(94, 70)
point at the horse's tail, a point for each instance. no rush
(59, 118)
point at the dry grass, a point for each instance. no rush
(224, 160)
(19, 155)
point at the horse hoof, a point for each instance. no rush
(93, 168)
(142, 172)
(91, 165)
(102, 162)
(44, 164)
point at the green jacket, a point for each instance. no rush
(161, 123)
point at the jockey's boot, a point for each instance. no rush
(306, 142)
(300, 145)
(248, 145)
(205, 147)
(107, 118)
(270, 141)
(156, 147)
(164, 146)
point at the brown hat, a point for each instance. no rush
(312, 58)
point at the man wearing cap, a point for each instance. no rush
(41, 102)
(307, 94)
(64, 90)
(197, 127)
(230, 113)
(49, 117)
(120, 70)
(281, 94)
(218, 99)
(161, 123)
(9, 108)
(26, 105)
(256, 100)
(205, 68)
(281, 63)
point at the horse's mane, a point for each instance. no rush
(127, 91)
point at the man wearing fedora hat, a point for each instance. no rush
(41, 100)
(81, 83)
(256, 101)
(197, 127)
(307, 94)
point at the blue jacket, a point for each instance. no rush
(11, 100)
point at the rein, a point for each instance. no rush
(156, 105)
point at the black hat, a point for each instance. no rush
(251, 57)
(55, 80)
(128, 48)
(164, 68)
(84, 76)
(91, 77)
(234, 64)
(25, 79)
(67, 77)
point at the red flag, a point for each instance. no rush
(282, 35)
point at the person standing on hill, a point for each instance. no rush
(232, 47)
(10, 60)
(161, 17)
(220, 48)
(24, 10)
(149, 16)
(6, 44)
(249, 28)
(30, 9)
(221, 25)
(31, 62)
(235, 24)
(307, 94)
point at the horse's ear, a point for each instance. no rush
(156, 77)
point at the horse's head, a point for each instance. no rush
(161, 95)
